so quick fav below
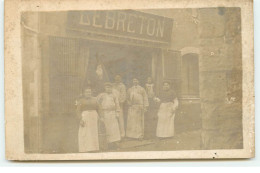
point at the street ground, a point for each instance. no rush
(61, 134)
(183, 141)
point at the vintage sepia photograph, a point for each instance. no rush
(131, 80)
(100, 81)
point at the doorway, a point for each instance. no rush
(72, 62)
(125, 60)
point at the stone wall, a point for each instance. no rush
(220, 77)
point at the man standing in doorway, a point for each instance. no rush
(138, 103)
(120, 87)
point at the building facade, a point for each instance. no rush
(198, 50)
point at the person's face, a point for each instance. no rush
(87, 93)
(135, 82)
(117, 79)
(108, 89)
(149, 80)
(166, 86)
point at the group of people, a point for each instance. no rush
(107, 109)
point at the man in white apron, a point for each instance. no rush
(120, 87)
(109, 109)
(138, 103)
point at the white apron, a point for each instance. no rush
(137, 100)
(109, 104)
(88, 135)
(135, 122)
(166, 115)
(111, 126)
(121, 114)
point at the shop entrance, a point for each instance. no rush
(124, 60)
(72, 63)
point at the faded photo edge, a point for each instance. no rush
(13, 85)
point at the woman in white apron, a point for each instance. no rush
(166, 114)
(88, 129)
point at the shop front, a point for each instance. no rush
(130, 43)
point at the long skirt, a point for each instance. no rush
(165, 124)
(88, 134)
(135, 122)
(111, 126)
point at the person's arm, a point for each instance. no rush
(78, 112)
(99, 103)
(175, 104)
(156, 98)
(117, 106)
(175, 99)
(97, 106)
(100, 113)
